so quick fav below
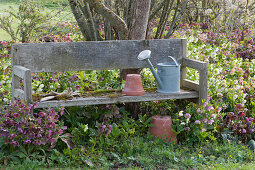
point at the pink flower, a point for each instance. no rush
(11, 136)
(14, 143)
(251, 130)
(213, 116)
(27, 141)
(60, 131)
(210, 108)
(101, 79)
(203, 130)
(187, 116)
(15, 115)
(197, 122)
(42, 114)
(109, 131)
(20, 130)
(37, 142)
(77, 87)
(102, 128)
(62, 111)
(210, 121)
(204, 120)
(52, 140)
(199, 110)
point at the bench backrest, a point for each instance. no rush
(97, 55)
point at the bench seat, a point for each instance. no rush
(148, 96)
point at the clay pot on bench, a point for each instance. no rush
(162, 128)
(133, 85)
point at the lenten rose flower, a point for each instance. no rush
(213, 116)
(197, 122)
(14, 143)
(187, 116)
(15, 115)
(210, 108)
(203, 130)
(251, 130)
(204, 120)
(27, 141)
(210, 121)
(180, 113)
(102, 128)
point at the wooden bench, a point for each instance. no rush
(103, 55)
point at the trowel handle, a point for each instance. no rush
(174, 60)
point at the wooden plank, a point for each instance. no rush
(195, 64)
(19, 71)
(191, 84)
(15, 85)
(184, 94)
(183, 75)
(97, 55)
(18, 93)
(203, 85)
(28, 86)
(184, 55)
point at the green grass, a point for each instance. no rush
(3, 7)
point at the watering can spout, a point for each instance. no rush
(145, 55)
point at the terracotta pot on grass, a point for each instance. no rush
(162, 128)
(133, 85)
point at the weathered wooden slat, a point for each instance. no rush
(203, 84)
(19, 94)
(19, 71)
(191, 84)
(195, 64)
(28, 86)
(97, 55)
(184, 94)
(184, 55)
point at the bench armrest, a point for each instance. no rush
(20, 72)
(202, 86)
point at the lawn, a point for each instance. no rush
(3, 7)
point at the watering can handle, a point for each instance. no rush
(174, 60)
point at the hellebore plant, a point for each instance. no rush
(20, 125)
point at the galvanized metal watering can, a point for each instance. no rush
(168, 76)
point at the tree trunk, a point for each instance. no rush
(137, 31)
(204, 7)
(137, 27)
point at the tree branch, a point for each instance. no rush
(116, 22)
(80, 18)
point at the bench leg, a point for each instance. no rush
(19, 72)
(203, 84)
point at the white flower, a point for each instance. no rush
(208, 11)
(244, 102)
(86, 128)
(235, 97)
(183, 123)
(41, 86)
(180, 113)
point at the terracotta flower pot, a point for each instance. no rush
(133, 85)
(162, 128)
